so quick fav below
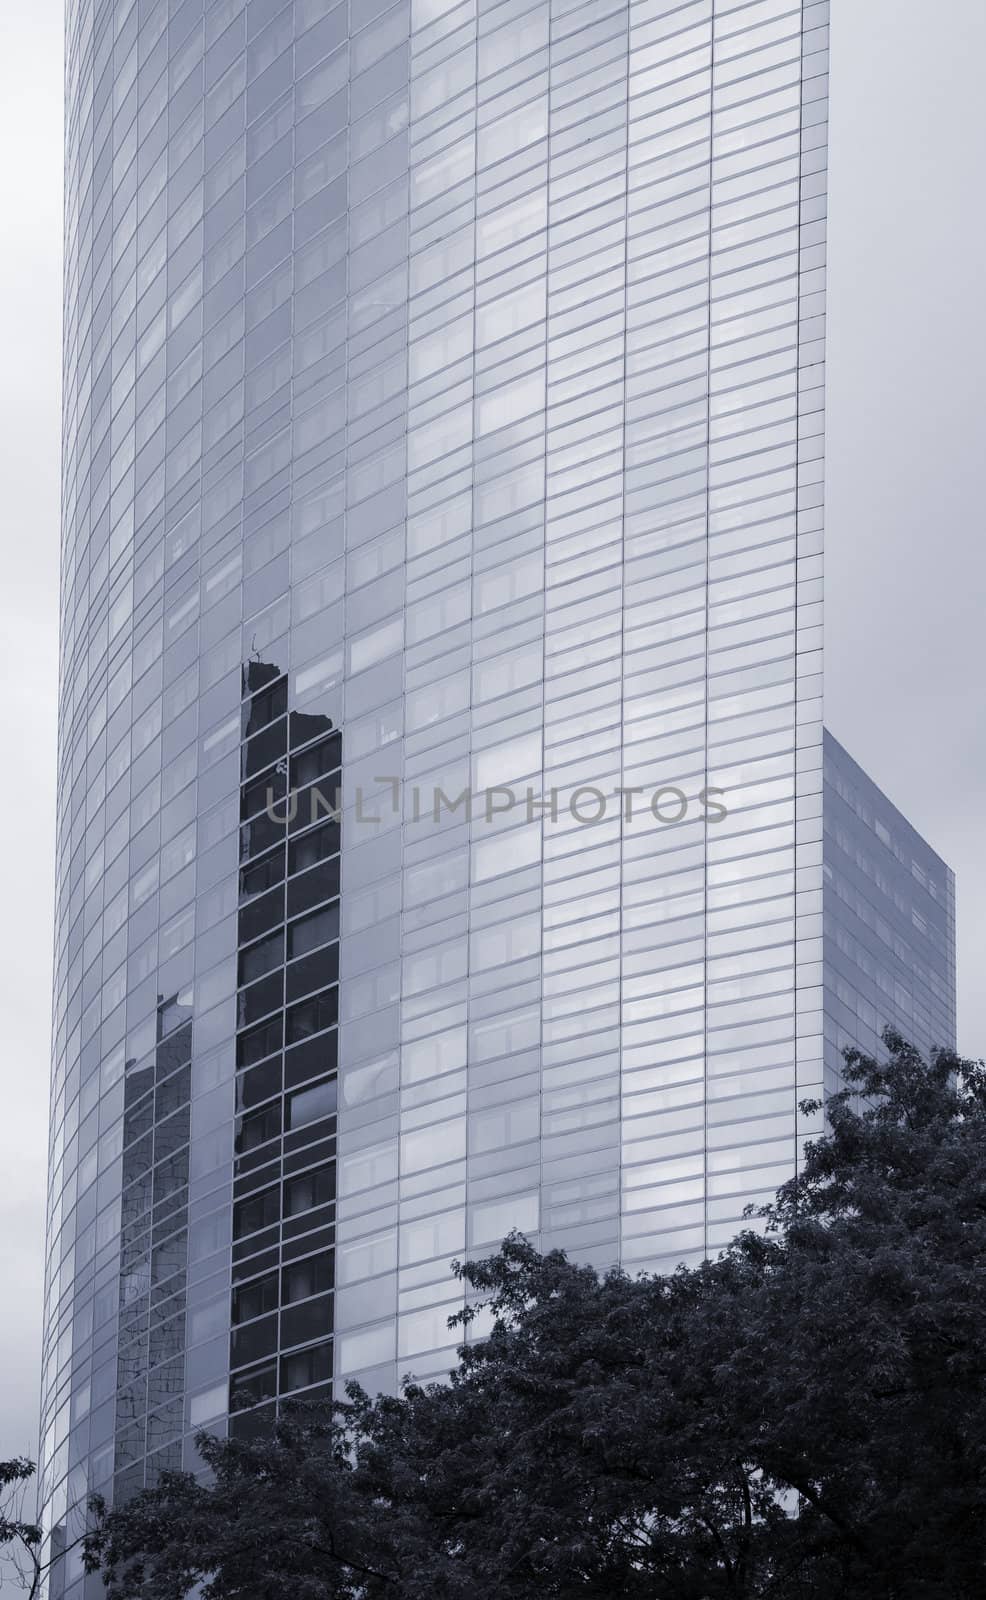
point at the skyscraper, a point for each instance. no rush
(889, 915)
(440, 818)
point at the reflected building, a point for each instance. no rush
(443, 838)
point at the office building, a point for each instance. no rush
(440, 839)
(889, 921)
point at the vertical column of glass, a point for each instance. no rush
(665, 643)
(764, 683)
(434, 1010)
(943, 990)
(584, 620)
(753, 599)
(374, 497)
(810, 972)
(128, 761)
(507, 597)
(153, 1268)
(82, 1283)
(209, 388)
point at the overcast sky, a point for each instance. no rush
(906, 553)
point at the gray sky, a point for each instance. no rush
(906, 552)
(30, 359)
(905, 544)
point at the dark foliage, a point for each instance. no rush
(802, 1419)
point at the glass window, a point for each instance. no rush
(311, 1189)
(311, 1105)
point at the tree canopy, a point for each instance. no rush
(803, 1418)
(20, 1535)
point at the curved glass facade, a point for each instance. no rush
(440, 833)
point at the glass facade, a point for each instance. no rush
(889, 914)
(441, 802)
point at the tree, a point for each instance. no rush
(802, 1419)
(21, 1537)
